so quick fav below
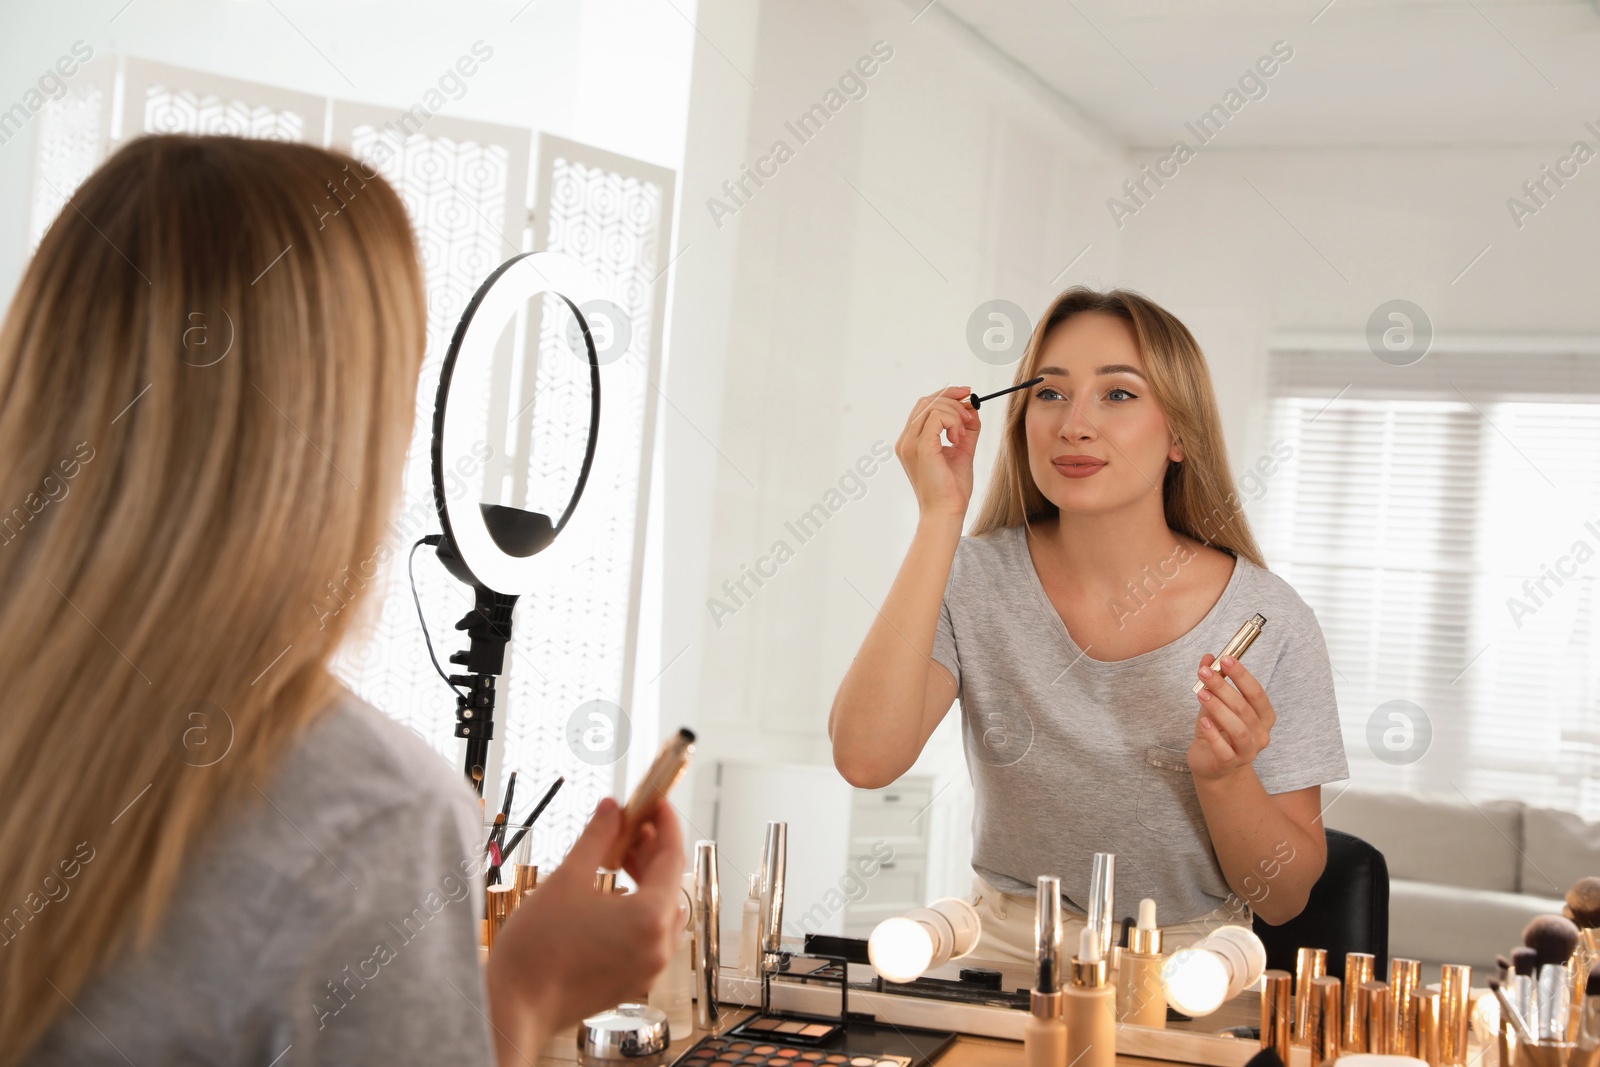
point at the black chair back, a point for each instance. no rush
(1348, 911)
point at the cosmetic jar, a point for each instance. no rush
(628, 1033)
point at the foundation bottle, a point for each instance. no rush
(1141, 999)
(1091, 1008)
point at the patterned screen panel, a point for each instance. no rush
(74, 130)
(162, 99)
(614, 216)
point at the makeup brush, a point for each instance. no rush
(1589, 1030)
(977, 401)
(538, 809)
(1553, 937)
(1583, 901)
(494, 831)
(1509, 1012)
(499, 832)
(1265, 1058)
(1502, 968)
(1523, 963)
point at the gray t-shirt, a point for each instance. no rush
(1070, 755)
(334, 921)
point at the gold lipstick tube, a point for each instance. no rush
(1357, 970)
(1454, 983)
(1237, 644)
(1276, 1012)
(1309, 965)
(1326, 1022)
(497, 906)
(1380, 1017)
(1405, 978)
(1427, 1016)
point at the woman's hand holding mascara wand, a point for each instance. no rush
(940, 474)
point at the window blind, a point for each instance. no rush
(1443, 521)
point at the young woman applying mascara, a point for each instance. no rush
(1108, 564)
(211, 851)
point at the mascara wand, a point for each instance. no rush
(977, 401)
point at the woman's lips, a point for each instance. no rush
(1077, 470)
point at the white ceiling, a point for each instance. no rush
(1364, 72)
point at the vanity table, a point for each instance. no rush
(967, 1051)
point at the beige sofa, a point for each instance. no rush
(1465, 878)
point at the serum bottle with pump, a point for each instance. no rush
(1044, 1035)
(1091, 1008)
(1141, 998)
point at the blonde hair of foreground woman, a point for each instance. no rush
(1197, 494)
(222, 492)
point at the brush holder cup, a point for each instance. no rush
(1554, 1054)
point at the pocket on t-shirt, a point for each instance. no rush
(1167, 804)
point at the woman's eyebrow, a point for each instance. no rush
(1110, 368)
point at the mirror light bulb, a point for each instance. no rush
(900, 949)
(1196, 981)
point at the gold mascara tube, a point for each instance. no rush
(1237, 644)
(651, 790)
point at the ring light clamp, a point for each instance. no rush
(491, 547)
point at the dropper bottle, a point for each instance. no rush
(1141, 998)
(1091, 1008)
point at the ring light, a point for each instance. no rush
(491, 547)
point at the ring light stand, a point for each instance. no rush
(491, 547)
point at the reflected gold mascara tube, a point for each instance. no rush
(1237, 644)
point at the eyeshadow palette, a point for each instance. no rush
(771, 1041)
(734, 1051)
(797, 1029)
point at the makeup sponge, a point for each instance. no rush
(1553, 937)
(1583, 902)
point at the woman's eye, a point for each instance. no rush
(1046, 392)
(1119, 389)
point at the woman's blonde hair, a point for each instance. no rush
(1197, 494)
(208, 380)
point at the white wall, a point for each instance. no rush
(1396, 223)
